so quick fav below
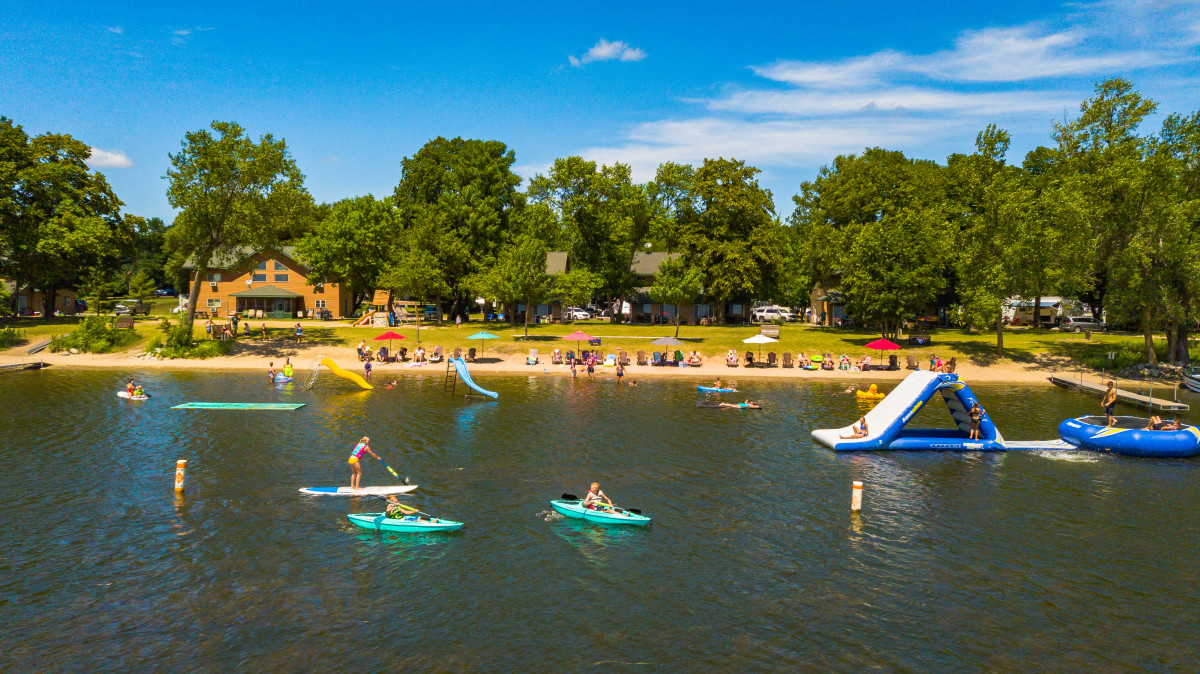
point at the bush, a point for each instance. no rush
(181, 343)
(10, 337)
(1129, 354)
(95, 334)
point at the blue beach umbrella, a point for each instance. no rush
(482, 335)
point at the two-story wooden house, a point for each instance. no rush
(275, 282)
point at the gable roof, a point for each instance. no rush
(646, 264)
(242, 254)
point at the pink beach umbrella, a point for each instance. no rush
(882, 345)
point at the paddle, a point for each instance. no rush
(407, 510)
(572, 497)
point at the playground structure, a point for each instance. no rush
(887, 421)
(396, 312)
(314, 370)
(456, 368)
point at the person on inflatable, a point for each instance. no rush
(976, 414)
(858, 430)
(596, 498)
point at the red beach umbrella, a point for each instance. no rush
(389, 336)
(882, 345)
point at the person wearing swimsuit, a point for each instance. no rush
(131, 387)
(356, 461)
(976, 414)
(271, 371)
(1110, 401)
(858, 430)
(596, 498)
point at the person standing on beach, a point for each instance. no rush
(299, 333)
(264, 330)
(208, 326)
(356, 461)
(591, 366)
(458, 321)
(1110, 400)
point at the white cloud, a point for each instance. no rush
(105, 159)
(183, 33)
(800, 102)
(609, 51)
(116, 29)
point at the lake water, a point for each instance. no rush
(1037, 561)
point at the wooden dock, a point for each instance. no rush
(1128, 397)
(10, 367)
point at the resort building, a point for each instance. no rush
(273, 282)
(31, 302)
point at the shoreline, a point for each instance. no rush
(514, 364)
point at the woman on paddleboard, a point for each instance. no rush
(596, 497)
(356, 461)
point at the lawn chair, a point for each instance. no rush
(771, 359)
(657, 360)
(913, 363)
(624, 358)
(893, 362)
(436, 356)
(749, 359)
(361, 355)
(532, 358)
(787, 359)
(457, 353)
(382, 355)
(402, 355)
(678, 356)
(556, 358)
(641, 357)
(827, 362)
(471, 355)
(610, 360)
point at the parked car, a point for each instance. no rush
(1080, 323)
(771, 314)
(80, 306)
(166, 292)
(576, 314)
(131, 308)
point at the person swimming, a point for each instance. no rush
(748, 404)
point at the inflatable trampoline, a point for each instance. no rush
(1130, 437)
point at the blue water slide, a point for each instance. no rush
(887, 421)
(461, 366)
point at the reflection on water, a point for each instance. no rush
(1017, 561)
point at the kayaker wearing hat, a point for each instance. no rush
(595, 496)
(355, 461)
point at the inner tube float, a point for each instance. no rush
(872, 394)
(281, 379)
(1129, 437)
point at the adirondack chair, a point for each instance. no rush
(787, 359)
(556, 358)
(436, 357)
(471, 355)
(641, 355)
(624, 358)
(893, 362)
(913, 363)
(457, 353)
(532, 358)
(771, 359)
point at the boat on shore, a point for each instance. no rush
(1191, 379)
(1130, 437)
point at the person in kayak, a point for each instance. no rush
(976, 414)
(858, 430)
(717, 383)
(356, 461)
(596, 498)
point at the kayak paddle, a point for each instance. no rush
(572, 497)
(403, 508)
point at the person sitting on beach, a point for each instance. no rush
(844, 363)
(731, 357)
(858, 430)
(804, 360)
(382, 356)
(367, 355)
(747, 404)
(864, 363)
(695, 359)
(749, 359)
(595, 497)
(419, 355)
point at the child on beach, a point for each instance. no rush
(620, 371)
(299, 333)
(264, 330)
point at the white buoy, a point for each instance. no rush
(855, 497)
(180, 465)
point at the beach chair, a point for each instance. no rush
(657, 359)
(556, 358)
(641, 358)
(402, 354)
(571, 356)
(749, 359)
(771, 359)
(610, 360)
(471, 355)
(678, 356)
(532, 358)
(436, 356)
(827, 362)
(624, 359)
(382, 354)
(361, 355)
(893, 362)
(787, 359)
(457, 353)
(913, 363)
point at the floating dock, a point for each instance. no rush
(11, 367)
(1123, 396)
(238, 406)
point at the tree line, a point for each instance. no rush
(1103, 212)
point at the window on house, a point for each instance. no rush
(703, 310)
(281, 278)
(214, 303)
(214, 277)
(279, 266)
(261, 265)
(259, 277)
(734, 309)
(320, 304)
(668, 310)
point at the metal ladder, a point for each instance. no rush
(314, 369)
(451, 382)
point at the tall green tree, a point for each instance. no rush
(415, 271)
(354, 243)
(232, 192)
(676, 282)
(59, 220)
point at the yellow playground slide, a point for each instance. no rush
(334, 368)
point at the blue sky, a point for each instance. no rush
(355, 87)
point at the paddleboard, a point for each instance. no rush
(125, 394)
(363, 491)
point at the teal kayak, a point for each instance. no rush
(574, 510)
(714, 389)
(408, 523)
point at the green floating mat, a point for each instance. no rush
(238, 406)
